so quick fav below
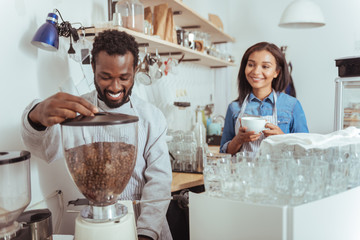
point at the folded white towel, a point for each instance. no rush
(350, 135)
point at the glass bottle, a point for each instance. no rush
(200, 134)
(132, 14)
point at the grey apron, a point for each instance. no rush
(131, 110)
(254, 146)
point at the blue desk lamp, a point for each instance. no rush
(47, 36)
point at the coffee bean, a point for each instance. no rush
(101, 170)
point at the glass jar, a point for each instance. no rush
(15, 190)
(132, 14)
(100, 153)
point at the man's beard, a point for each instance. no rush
(111, 104)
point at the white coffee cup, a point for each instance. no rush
(255, 124)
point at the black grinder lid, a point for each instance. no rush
(101, 119)
(13, 157)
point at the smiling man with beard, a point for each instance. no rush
(114, 93)
(114, 60)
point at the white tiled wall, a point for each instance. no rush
(186, 82)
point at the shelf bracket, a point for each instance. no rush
(177, 12)
(191, 60)
(218, 67)
(170, 53)
(219, 42)
(191, 27)
(143, 44)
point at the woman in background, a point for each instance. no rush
(262, 80)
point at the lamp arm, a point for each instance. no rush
(79, 23)
(57, 11)
(65, 29)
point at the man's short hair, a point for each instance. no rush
(115, 42)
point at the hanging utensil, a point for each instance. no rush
(158, 73)
(142, 72)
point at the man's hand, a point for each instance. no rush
(59, 107)
(273, 130)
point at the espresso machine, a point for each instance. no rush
(15, 192)
(100, 153)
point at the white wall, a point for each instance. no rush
(29, 73)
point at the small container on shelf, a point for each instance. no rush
(132, 14)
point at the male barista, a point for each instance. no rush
(114, 59)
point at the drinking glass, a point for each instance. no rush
(354, 169)
(188, 147)
(245, 156)
(232, 182)
(317, 182)
(188, 163)
(300, 176)
(281, 181)
(214, 170)
(233, 187)
(338, 176)
(256, 180)
(176, 149)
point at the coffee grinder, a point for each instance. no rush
(100, 153)
(15, 192)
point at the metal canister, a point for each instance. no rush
(37, 223)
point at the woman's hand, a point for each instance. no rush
(240, 138)
(244, 136)
(273, 130)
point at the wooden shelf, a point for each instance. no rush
(351, 110)
(188, 19)
(168, 48)
(351, 120)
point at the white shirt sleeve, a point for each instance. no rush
(43, 144)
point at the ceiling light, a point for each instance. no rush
(302, 14)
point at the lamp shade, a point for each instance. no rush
(47, 36)
(302, 14)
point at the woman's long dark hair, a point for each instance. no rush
(279, 83)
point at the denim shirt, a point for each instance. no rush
(290, 115)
